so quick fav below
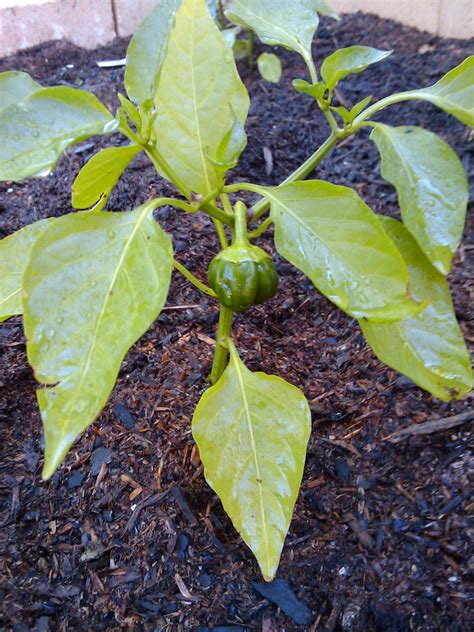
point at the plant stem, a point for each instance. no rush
(410, 95)
(220, 233)
(216, 213)
(299, 174)
(221, 352)
(261, 229)
(194, 280)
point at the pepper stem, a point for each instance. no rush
(240, 225)
(221, 352)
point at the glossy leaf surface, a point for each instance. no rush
(35, 133)
(15, 253)
(94, 284)
(322, 8)
(252, 430)
(454, 93)
(428, 348)
(147, 50)
(15, 87)
(200, 97)
(277, 22)
(332, 236)
(269, 66)
(100, 174)
(347, 61)
(431, 185)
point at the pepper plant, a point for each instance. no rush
(90, 283)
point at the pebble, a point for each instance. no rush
(99, 456)
(125, 416)
(75, 479)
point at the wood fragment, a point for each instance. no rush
(428, 427)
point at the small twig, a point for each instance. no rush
(428, 427)
(148, 502)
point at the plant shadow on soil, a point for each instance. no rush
(379, 539)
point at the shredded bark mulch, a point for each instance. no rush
(127, 535)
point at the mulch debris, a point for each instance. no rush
(127, 535)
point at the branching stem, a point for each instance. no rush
(221, 352)
(194, 280)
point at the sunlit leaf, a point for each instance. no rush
(15, 87)
(431, 185)
(199, 97)
(316, 90)
(277, 22)
(147, 50)
(100, 174)
(428, 348)
(252, 430)
(347, 61)
(15, 253)
(322, 7)
(269, 66)
(454, 93)
(35, 133)
(332, 236)
(94, 284)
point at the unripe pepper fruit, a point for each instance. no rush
(242, 275)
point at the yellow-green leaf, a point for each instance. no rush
(147, 50)
(252, 430)
(15, 253)
(431, 185)
(277, 22)
(94, 284)
(269, 66)
(347, 61)
(199, 98)
(15, 87)
(34, 133)
(428, 348)
(97, 178)
(332, 236)
(454, 93)
(322, 8)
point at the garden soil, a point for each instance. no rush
(127, 535)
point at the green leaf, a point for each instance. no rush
(15, 87)
(348, 116)
(94, 284)
(431, 185)
(230, 35)
(240, 48)
(454, 93)
(315, 90)
(199, 97)
(146, 51)
(269, 66)
(347, 61)
(35, 133)
(322, 8)
(15, 253)
(428, 348)
(278, 22)
(252, 431)
(100, 174)
(332, 236)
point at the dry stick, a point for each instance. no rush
(148, 502)
(435, 425)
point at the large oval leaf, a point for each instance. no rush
(454, 93)
(252, 430)
(347, 61)
(278, 22)
(429, 347)
(97, 178)
(94, 284)
(330, 234)
(15, 87)
(431, 185)
(15, 253)
(35, 133)
(147, 50)
(199, 98)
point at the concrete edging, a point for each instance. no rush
(90, 23)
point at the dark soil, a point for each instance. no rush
(127, 535)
